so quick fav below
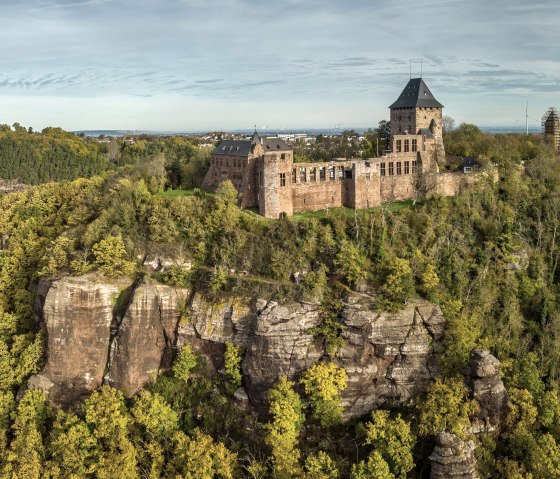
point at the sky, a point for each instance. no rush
(203, 65)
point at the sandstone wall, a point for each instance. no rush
(95, 338)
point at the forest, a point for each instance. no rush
(489, 258)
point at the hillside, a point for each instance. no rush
(352, 344)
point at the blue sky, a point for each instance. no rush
(229, 64)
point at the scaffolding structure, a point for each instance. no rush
(551, 127)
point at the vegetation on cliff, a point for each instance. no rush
(489, 258)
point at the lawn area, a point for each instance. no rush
(174, 193)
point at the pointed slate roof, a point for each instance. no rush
(416, 94)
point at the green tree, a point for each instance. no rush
(111, 258)
(398, 285)
(284, 428)
(446, 408)
(375, 467)
(232, 364)
(107, 416)
(323, 382)
(26, 456)
(350, 263)
(184, 363)
(199, 457)
(320, 466)
(393, 439)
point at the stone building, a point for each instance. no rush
(265, 175)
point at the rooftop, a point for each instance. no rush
(416, 94)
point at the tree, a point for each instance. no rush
(323, 383)
(25, 458)
(384, 133)
(72, 448)
(393, 440)
(111, 258)
(320, 466)
(283, 430)
(446, 408)
(199, 457)
(374, 468)
(350, 263)
(107, 415)
(232, 364)
(398, 286)
(184, 363)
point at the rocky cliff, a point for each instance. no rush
(120, 334)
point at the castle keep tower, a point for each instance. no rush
(416, 111)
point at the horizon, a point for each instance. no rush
(186, 65)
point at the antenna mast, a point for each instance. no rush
(410, 64)
(421, 67)
(527, 119)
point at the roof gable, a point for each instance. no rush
(416, 94)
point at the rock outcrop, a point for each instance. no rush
(77, 313)
(101, 332)
(453, 458)
(107, 333)
(146, 337)
(389, 357)
(483, 377)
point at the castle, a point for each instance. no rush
(265, 175)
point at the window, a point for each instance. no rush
(399, 148)
(413, 167)
(282, 179)
(414, 144)
(283, 156)
(340, 172)
(322, 173)
(399, 168)
(368, 177)
(382, 169)
(302, 175)
(467, 169)
(331, 173)
(406, 146)
(391, 168)
(407, 167)
(313, 174)
(294, 175)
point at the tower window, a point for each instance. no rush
(399, 146)
(399, 168)
(294, 175)
(407, 167)
(382, 169)
(391, 168)
(282, 179)
(406, 146)
(414, 144)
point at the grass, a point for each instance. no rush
(175, 193)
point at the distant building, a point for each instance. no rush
(265, 175)
(551, 128)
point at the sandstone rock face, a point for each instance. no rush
(487, 388)
(93, 337)
(389, 357)
(282, 345)
(146, 337)
(453, 458)
(108, 333)
(77, 314)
